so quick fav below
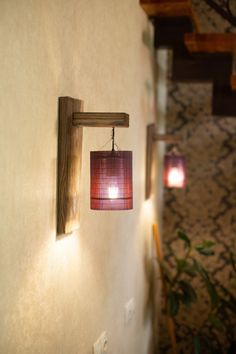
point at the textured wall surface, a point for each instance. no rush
(58, 296)
(206, 208)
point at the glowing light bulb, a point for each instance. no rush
(113, 192)
(175, 177)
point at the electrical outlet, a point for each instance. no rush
(129, 310)
(101, 345)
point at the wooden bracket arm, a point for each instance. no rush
(94, 119)
(168, 138)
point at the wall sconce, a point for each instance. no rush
(152, 138)
(111, 171)
(174, 173)
(111, 179)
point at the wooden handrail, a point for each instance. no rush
(169, 320)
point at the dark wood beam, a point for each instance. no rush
(170, 8)
(94, 119)
(210, 42)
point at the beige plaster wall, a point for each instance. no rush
(58, 296)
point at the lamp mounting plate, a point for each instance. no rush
(69, 163)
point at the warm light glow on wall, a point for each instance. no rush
(66, 249)
(149, 210)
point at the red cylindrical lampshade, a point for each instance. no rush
(174, 171)
(111, 180)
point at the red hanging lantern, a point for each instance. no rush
(111, 179)
(174, 170)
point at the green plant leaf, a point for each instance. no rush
(188, 294)
(211, 289)
(216, 321)
(207, 244)
(190, 271)
(186, 267)
(173, 303)
(205, 248)
(206, 252)
(182, 236)
(181, 264)
(197, 345)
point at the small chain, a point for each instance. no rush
(113, 138)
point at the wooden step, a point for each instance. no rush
(202, 67)
(210, 42)
(169, 32)
(170, 8)
(167, 8)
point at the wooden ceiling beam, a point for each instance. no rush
(166, 8)
(210, 42)
(170, 8)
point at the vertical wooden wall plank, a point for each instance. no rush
(69, 165)
(149, 158)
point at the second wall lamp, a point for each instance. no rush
(174, 163)
(111, 171)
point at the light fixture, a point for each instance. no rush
(111, 179)
(176, 177)
(174, 173)
(111, 171)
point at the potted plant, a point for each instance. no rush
(187, 281)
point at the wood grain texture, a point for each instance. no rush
(151, 130)
(170, 8)
(166, 8)
(210, 42)
(94, 119)
(69, 164)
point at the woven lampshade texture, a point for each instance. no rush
(174, 171)
(111, 180)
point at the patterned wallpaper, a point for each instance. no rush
(206, 209)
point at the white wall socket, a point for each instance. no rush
(101, 345)
(129, 310)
